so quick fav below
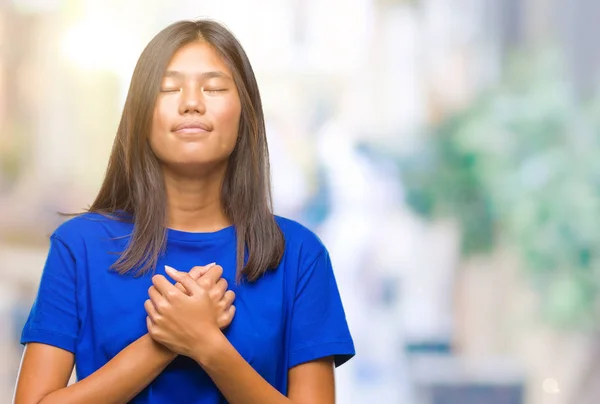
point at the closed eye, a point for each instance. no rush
(215, 90)
(169, 90)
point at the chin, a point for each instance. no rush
(196, 165)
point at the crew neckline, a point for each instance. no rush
(181, 235)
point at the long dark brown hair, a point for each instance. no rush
(134, 183)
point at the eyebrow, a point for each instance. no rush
(204, 75)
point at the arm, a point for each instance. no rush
(309, 383)
(169, 314)
(45, 369)
(45, 372)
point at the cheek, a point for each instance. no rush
(159, 119)
(158, 132)
(229, 119)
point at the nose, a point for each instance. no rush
(192, 101)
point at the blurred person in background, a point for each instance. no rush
(187, 184)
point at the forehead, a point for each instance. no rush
(196, 58)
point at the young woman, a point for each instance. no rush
(138, 293)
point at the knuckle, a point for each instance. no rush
(213, 294)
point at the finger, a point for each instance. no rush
(158, 301)
(206, 268)
(179, 286)
(164, 287)
(226, 317)
(173, 273)
(212, 276)
(190, 285)
(198, 271)
(177, 275)
(228, 298)
(151, 310)
(154, 295)
(218, 291)
(222, 286)
(231, 312)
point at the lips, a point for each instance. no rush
(191, 127)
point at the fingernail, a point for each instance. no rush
(170, 270)
(210, 265)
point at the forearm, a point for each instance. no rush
(235, 378)
(119, 380)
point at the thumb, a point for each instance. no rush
(197, 272)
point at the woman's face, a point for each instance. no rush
(197, 112)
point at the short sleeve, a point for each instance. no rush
(319, 327)
(53, 317)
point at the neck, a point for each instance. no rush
(194, 203)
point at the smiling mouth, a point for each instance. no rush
(192, 127)
(190, 131)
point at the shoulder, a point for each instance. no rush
(88, 226)
(300, 240)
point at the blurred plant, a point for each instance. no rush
(521, 166)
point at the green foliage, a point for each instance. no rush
(523, 164)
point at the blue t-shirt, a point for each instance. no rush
(291, 315)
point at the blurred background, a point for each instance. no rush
(446, 151)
